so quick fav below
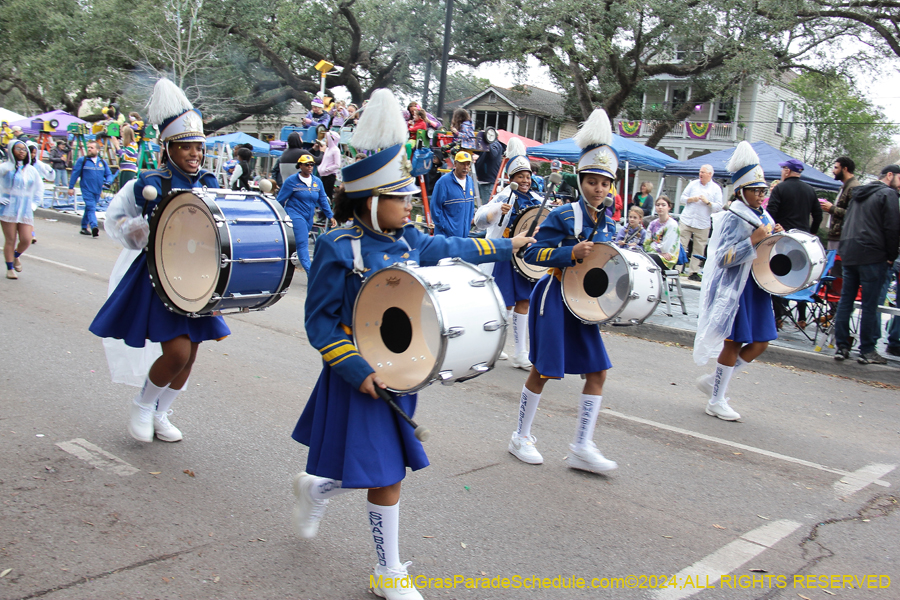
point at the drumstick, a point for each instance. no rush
(594, 230)
(555, 178)
(746, 219)
(420, 432)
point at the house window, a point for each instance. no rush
(725, 114)
(780, 121)
(679, 97)
(492, 98)
(491, 118)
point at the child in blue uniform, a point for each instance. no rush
(498, 217)
(355, 440)
(736, 318)
(133, 312)
(299, 196)
(560, 343)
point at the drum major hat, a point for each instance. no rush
(516, 159)
(177, 118)
(387, 172)
(595, 139)
(745, 168)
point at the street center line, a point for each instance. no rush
(708, 570)
(53, 262)
(770, 454)
(853, 482)
(97, 456)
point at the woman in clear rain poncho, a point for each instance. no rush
(736, 320)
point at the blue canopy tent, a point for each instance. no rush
(260, 148)
(769, 158)
(638, 156)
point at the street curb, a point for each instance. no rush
(47, 213)
(786, 357)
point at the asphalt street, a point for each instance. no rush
(798, 499)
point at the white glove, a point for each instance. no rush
(135, 231)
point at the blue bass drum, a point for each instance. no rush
(218, 251)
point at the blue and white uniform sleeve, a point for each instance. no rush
(473, 250)
(438, 197)
(324, 299)
(734, 247)
(547, 250)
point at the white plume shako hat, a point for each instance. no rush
(177, 118)
(745, 168)
(387, 172)
(516, 158)
(595, 139)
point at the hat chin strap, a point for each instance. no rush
(375, 225)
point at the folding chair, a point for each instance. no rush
(673, 282)
(817, 307)
(830, 294)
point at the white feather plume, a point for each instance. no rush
(167, 101)
(743, 155)
(381, 124)
(515, 147)
(595, 131)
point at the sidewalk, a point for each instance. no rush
(791, 348)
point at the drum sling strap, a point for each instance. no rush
(576, 229)
(359, 267)
(166, 186)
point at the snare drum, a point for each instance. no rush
(788, 261)
(217, 250)
(415, 325)
(612, 285)
(521, 225)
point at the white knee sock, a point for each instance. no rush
(588, 409)
(720, 383)
(149, 394)
(520, 332)
(740, 362)
(385, 524)
(528, 405)
(325, 488)
(166, 398)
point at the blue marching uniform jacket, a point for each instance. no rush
(453, 207)
(513, 286)
(560, 343)
(351, 436)
(133, 312)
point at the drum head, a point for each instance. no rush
(782, 264)
(185, 252)
(597, 290)
(522, 225)
(397, 329)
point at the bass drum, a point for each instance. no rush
(612, 285)
(788, 261)
(212, 251)
(415, 325)
(521, 225)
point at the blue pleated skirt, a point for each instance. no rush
(134, 314)
(355, 438)
(755, 318)
(560, 343)
(513, 286)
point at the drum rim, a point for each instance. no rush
(809, 265)
(155, 279)
(515, 258)
(442, 349)
(290, 246)
(562, 289)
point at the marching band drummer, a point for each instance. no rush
(498, 216)
(355, 440)
(133, 312)
(736, 318)
(560, 343)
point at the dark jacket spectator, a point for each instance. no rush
(488, 164)
(58, 157)
(287, 164)
(871, 230)
(792, 204)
